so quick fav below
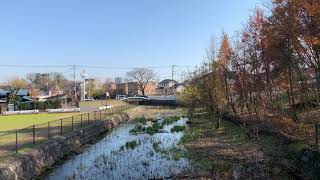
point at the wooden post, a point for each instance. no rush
(317, 135)
(81, 121)
(88, 117)
(16, 141)
(48, 130)
(34, 134)
(61, 127)
(72, 122)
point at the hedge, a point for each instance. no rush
(54, 104)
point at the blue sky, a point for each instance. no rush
(126, 33)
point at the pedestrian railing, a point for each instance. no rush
(13, 142)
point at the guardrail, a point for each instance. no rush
(12, 142)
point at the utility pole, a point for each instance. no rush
(172, 71)
(84, 75)
(75, 84)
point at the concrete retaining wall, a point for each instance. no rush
(32, 164)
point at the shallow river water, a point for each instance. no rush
(152, 158)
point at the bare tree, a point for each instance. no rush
(15, 84)
(142, 76)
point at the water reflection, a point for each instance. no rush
(151, 157)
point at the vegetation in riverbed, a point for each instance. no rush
(177, 129)
(138, 129)
(141, 126)
(156, 146)
(132, 144)
(170, 120)
(129, 145)
(155, 128)
(141, 120)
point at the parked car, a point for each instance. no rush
(120, 97)
(135, 99)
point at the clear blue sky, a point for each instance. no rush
(123, 33)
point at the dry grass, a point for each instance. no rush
(219, 153)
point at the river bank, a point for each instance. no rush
(228, 152)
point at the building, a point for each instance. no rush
(111, 88)
(132, 89)
(3, 101)
(122, 88)
(168, 87)
(179, 87)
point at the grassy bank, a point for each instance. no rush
(12, 122)
(229, 151)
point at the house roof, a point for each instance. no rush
(26, 99)
(23, 92)
(3, 92)
(166, 81)
(179, 84)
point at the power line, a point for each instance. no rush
(33, 66)
(104, 67)
(87, 66)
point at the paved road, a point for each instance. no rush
(88, 108)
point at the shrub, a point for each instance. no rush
(54, 104)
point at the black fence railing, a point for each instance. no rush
(22, 139)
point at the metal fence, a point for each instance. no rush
(20, 140)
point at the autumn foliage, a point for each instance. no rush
(270, 69)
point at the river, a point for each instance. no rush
(151, 156)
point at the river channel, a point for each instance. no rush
(126, 155)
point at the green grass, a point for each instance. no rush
(13, 122)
